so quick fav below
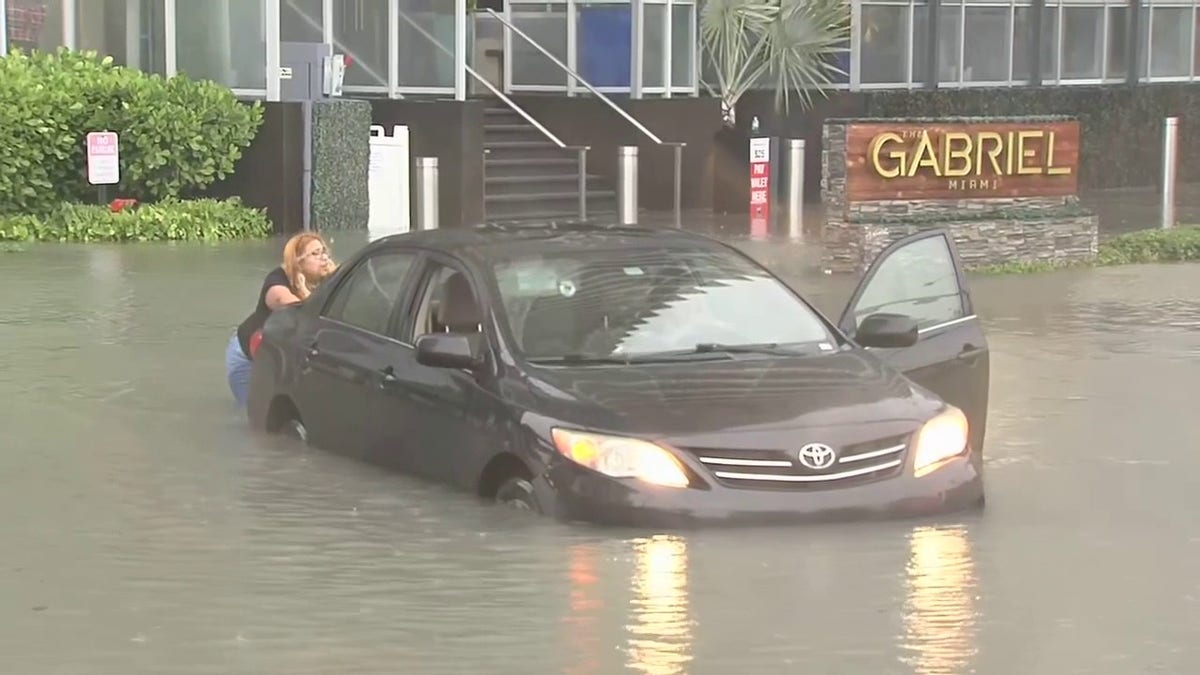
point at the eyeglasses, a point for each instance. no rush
(316, 254)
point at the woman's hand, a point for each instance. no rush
(302, 290)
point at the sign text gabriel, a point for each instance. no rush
(961, 160)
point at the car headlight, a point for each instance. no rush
(940, 439)
(621, 457)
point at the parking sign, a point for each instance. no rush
(103, 158)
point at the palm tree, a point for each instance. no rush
(790, 45)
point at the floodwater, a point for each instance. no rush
(144, 531)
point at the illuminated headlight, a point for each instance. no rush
(621, 457)
(942, 438)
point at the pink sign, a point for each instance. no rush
(103, 158)
(760, 186)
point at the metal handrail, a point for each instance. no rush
(581, 149)
(676, 146)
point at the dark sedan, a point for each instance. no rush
(638, 376)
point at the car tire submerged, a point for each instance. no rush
(294, 429)
(517, 493)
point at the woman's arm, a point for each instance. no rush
(281, 296)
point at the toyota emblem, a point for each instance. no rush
(817, 456)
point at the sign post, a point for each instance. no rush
(388, 182)
(760, 186)
(103, 161)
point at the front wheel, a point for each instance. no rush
(295, 430)
(517, 493)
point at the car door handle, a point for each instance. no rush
(970, 353)
(313, 350)
(387, 378)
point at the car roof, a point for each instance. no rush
(501, 240)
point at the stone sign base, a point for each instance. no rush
(987, 231)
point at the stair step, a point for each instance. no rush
(524, 126)
(571, 178)
(549, 196)
(531, 161)
(510, 215)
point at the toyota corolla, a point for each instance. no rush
(638, 376)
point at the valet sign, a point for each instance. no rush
(760, 182)
(103, 158)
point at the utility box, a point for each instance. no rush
(309, 71)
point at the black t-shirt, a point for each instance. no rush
(276, 277)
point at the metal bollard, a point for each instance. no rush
(1170, 152)
(795, 187)
(627, 184)
(426, 201)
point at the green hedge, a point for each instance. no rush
(168, 220)
(177, 135)
(1179, 244)
(340, 164)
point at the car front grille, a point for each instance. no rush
(856, 464)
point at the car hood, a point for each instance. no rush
(706, 401)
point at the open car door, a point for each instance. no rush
(921, 276)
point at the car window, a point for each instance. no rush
(366, 298)
(919, 280)
(617, 302)
(447, 304)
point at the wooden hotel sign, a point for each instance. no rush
(948, 160)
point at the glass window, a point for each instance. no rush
(683, 46)
(419, 62)
(366, 298)
(598, 303)
(360, 31)
(885, 45)
(1022, 65)
(950, 42)
(654, 39)
(1050, 42)
(1118, 42)
(1170, 41)
(987, 44)
(301, 21)
(920, 44)
(918, 280)
(1082, 42)
(448, 304)
(222, 40)
(34, 24)
(546, 24)
(130, 31)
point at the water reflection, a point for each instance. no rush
(940, 612)
(660, 635)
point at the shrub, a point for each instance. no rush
(1147, 246)
(168, 220)
(177, 135)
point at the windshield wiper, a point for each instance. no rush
(655, 357)
(772, 348)
(580, 359)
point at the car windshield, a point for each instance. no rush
(598, 304)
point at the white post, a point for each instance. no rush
(3, 28)
(427, 193)
(272, 10)
(1170, 149)
(70, 36)
(795, 187)
(627, 184)
(460, 50)
(393, 69)
(637, 53)
(169, 38)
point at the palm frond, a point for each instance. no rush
(791, 43)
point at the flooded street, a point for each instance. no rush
(145, 531)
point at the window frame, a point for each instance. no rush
(399, 305)
(419, 287)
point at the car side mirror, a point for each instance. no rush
(887, 330)
(450, 350)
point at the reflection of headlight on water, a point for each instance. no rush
(660, 630)
(939, 613)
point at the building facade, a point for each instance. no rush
(1117, 65)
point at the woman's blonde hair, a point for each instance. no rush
(291, 257)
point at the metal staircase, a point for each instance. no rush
(529, 177)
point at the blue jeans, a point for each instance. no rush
(237, 370)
